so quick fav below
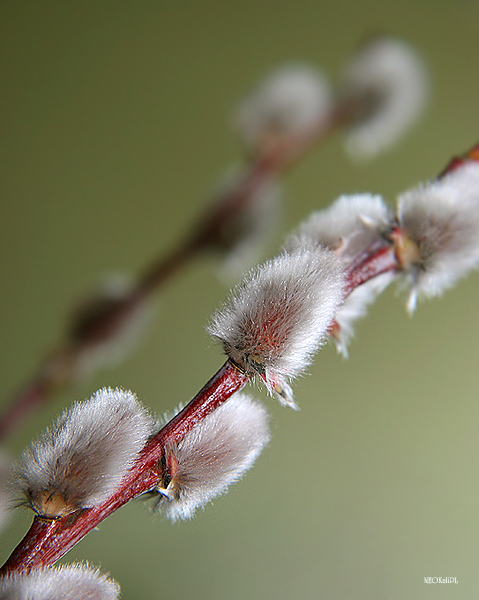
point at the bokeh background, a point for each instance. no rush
(115, 122)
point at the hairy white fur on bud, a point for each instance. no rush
(107, 346)
(214, 454)
(291, 100)
(351, 226)
(67, 582)
(280, 315)
(441, 218)
(82, 458)
(390, 82)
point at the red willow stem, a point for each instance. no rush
(48, 540)
(381, 261)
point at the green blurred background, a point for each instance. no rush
(114, 124)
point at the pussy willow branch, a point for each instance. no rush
(56, 372)
(48, 540)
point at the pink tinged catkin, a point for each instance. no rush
(441, 220)
(390, 84)
(279, 316)
(80, 461)
(67, 582)
(288, 102)
(214, 454)
(352, 226)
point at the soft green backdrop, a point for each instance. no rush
(114, 123)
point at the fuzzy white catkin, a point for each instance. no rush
(81, 459)
(350, 226)
(280, 315)
(442, 217)
(392, 74)
(67, 582)
(289, 101)
(213, 455)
